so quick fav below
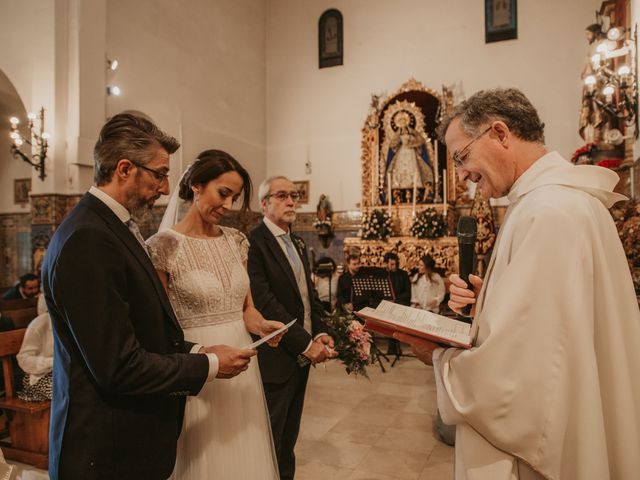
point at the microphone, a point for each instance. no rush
(467, 233)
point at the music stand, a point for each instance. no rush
(369, 288)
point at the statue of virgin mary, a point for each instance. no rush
(408, 158)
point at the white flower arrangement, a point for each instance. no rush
(429, 224)
(376, 226)
(319, 223)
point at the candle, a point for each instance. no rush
(444, 192)
(435, 149)
(389, 191)
(415, 191)
(632, 181)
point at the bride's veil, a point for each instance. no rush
(170, 217)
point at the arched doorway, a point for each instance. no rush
(15, 217)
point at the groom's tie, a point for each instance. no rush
(133, 228)
(292, 254)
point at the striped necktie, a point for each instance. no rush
(133, 228)
(292, 254)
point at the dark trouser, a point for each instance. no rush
(285, 402)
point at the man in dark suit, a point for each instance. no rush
(28, 286)
(400, 292)
(399, 279)
(345, 284)
(122, 369)
(282, 290)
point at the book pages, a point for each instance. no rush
(423, 321)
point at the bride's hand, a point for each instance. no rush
(269, 326)
(256, 324)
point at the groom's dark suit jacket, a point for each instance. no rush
(277, 296)
(121, 367)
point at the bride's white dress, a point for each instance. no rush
(226, 432)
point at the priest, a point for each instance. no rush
(551, 388)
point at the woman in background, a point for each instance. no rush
(427, 286)
(36, 357)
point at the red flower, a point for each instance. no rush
(584, 150)
(610, 163)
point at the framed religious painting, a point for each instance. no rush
(500, 20)
(303, 188)
(21, 189)
(330, 39)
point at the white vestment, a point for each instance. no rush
(552, 387)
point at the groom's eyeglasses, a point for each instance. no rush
(282, 196)
(159, 176)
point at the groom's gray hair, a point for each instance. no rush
(265, 186)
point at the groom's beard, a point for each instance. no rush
(140, 207)
(141, 214)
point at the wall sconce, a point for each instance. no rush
(38, 141)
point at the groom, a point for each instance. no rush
(282, 290)
(122, 368)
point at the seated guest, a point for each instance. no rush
(427, 289)
(400, 291)
(325, 280)
(36, 357)
(398, 278)
(345, 284)
(27, 287)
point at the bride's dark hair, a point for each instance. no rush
(209, 165)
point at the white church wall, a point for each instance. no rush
(27, 59)
(317, 114)
(197, 69)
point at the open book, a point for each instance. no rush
(390, 317)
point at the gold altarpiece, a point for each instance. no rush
(399, 131)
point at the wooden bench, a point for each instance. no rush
(21, 311)
(28, 421)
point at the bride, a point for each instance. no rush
(226, 431)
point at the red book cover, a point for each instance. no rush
(388, 327)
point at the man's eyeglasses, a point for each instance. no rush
(460, 157)
(159, 176)
(282, 196)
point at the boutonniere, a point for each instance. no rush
(299, 243)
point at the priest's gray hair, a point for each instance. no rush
(509, 105)
(265, 186)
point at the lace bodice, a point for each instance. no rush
(208, 282)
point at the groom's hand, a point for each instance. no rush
(316, 353)
(329, 346)
(231, 361)
(321, 349)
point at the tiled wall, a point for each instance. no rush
(15, 247)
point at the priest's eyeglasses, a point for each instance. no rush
(460, 157)
(159, 176)
(282, 195)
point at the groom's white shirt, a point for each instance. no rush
(123, 214)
